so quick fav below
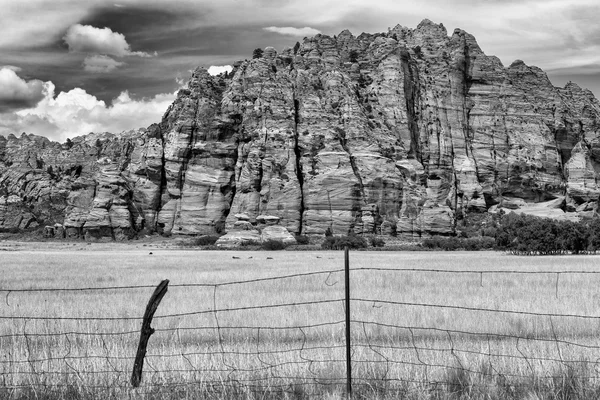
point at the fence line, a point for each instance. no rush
(181, 285)
(294, 304)
(308, 274)
(222, 345)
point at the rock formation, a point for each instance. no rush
(403, 132)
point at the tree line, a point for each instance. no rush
(530, 235)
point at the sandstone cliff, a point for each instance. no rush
(405, 132)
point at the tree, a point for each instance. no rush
(418, 51)
(98, 145)
(572, 236)
(69, 143)
(353, 56)
(296, 47)
(257, 53)
(593, 229)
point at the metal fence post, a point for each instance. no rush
(348, 353)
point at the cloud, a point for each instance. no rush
(219, 69)
(16, 93)
(191, 32)
(77, 112)
(89, 39)
(12, 68)
(291, 31)
(100, 64)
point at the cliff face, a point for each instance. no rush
(404, 132)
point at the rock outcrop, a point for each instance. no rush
(401, 133)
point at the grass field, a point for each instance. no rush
(408, 340)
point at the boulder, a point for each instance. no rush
(242, 217)
(268, 219)
(243, 226)
(59, 231)
(48, 231)
(238, 238)
(278, 233)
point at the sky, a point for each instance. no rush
(70, 67)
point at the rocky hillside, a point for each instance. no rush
(406, 132)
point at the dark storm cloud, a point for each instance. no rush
(182, 42)
(182, 38)
(17, 93)
(50, 64)
(7, 105)
(142, 25)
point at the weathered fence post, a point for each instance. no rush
(348, 353)
(147, 331)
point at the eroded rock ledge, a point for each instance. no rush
(395, 133)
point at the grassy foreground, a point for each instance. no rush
(255, 348)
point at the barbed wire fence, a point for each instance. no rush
(297, 334)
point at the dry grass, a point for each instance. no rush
(198, 356)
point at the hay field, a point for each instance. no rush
(405, 343)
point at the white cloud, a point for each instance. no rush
(219, 69)
(291, 31)
(77, 112)
(89, 39)
(100, 64)
(16, 92)
(12, 68)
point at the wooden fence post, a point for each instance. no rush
(146, 331)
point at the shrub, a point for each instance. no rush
(257, 53)
(480, 243)
(339, 242)
(418, 51)
(441, 243)
(377, 242)
(455, 243)
(353, 56)
(302, 239)
(273, 245)
(208, 240)
(488, 231)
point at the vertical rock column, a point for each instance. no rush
(200, 146)
(262, 93)
(333, 192)
(145, 174)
